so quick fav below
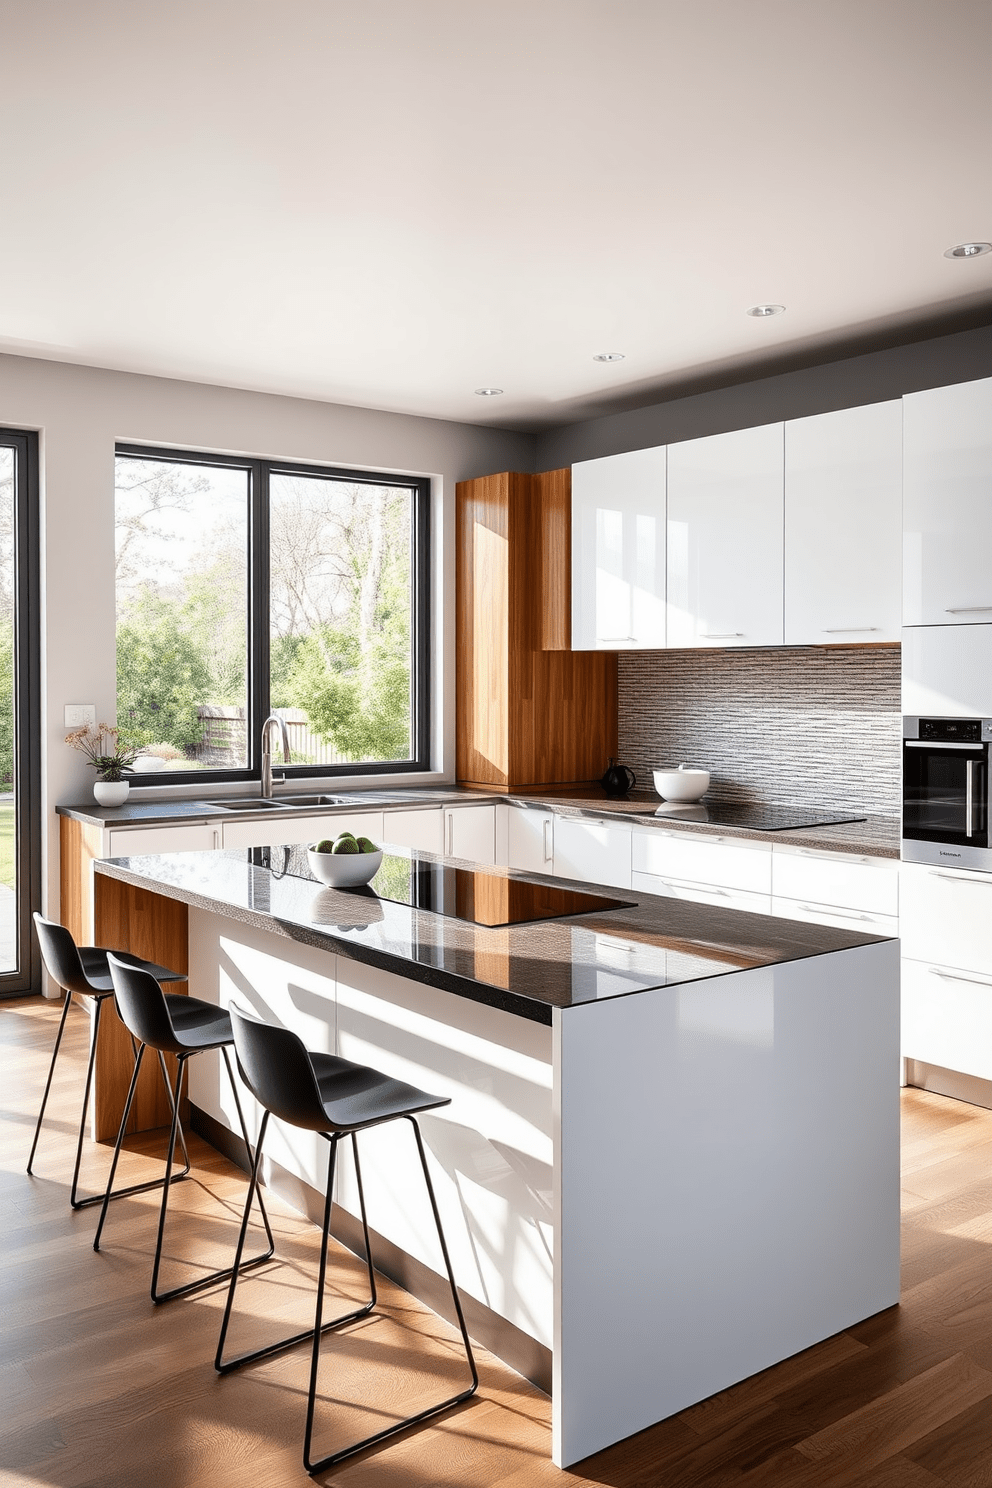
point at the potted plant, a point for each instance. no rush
(109, 756)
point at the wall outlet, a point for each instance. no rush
(78, 715)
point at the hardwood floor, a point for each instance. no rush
(98, 1387)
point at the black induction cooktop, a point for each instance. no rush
(473, 895)
(752, 818)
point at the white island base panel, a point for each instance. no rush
(672, 1189)
(727, 1183)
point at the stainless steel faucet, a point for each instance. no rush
(267, 751)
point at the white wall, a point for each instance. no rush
(80, 412)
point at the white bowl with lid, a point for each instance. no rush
(683, 784)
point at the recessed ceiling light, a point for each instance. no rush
(968, 250)
(608, 356)
(760, 311)
(488, 392)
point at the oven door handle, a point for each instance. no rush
(940, 744)
(969, 798)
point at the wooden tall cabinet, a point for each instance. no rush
(529, 711)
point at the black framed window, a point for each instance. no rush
(247, 586)
(20, 716)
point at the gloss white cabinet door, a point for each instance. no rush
(618, 552)
(947, 1018)
(595, 851)
(725, 539)
(530, 840)
(946, 917)
(271, 831)
(470, 832)
(180, 837)
(843, 526)
(947, 505)
(422, 828)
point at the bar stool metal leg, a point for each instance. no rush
(174, 1097)
(48, 1082)
(225, 1366)
(377, 1436)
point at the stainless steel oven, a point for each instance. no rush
(945, 792)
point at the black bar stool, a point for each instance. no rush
(182, 1026)
(82, 971)
(336, 1098)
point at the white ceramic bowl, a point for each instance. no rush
(682, 784)
(344, 870)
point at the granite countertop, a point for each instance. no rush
(527, 969)
(877, 836)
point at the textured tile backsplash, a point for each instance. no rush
(799, 724)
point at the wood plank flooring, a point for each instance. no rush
(99, 1389)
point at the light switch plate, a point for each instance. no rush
(78, 715)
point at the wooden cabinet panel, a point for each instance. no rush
(525, 715)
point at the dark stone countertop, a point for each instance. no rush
(527, 969)
(876, 837)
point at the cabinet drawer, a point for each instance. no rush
(182, 838)
(696, 893)
(598, 852)
(947, 1018)
(271, 832)
(871, 886)
(704, 860)
(947, 917)
(811, 913)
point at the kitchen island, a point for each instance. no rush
(671, 1157)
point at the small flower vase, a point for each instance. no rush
(111, 792)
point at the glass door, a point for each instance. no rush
(945, 793)
(20, 735)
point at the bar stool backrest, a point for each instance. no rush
(276, 1067)
(142, 1006)
(59, 953)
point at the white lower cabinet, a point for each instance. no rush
(820, 879)
(275, 831)
(696, 893)
(470, 832)
(596, 851)
(530, 840)
(947, 917)
(422, 828)
(947, 1018)
(695, 858)
(129, 842)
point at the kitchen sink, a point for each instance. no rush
(273, 803)
(255, 804)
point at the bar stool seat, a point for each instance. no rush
(182, 1026)
(83, 971)
(335, 1098)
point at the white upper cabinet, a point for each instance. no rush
(947, 507)
(618, 552)
(725, 539)
(843, 515)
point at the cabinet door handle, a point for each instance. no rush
(721, 635)
(848, 629)
(960, 878)
(971, 610)
(957, 976)
(616, 638)
(449, 823)
(940, 744)
(824, 857)
(548, 855)
(216, 835)
(842, 914)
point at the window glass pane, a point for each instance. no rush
(182, 612)
(340, 618)
(8, 861)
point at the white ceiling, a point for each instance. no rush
(394, 202)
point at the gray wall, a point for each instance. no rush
(848, 383)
